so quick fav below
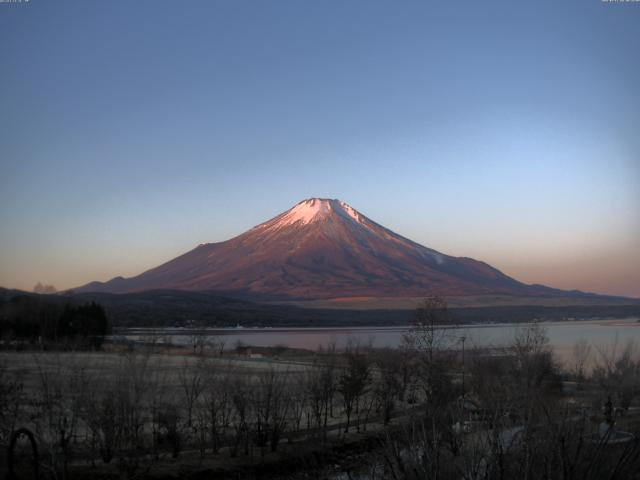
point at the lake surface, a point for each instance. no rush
(602, 334)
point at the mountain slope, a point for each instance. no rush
(322, 248)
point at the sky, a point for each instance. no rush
(505, 131)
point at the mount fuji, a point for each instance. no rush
(322, 249)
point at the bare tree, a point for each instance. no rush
(417, 452)
(388, 386)
(428, 333)
(217, 404)
(429, 339)
(297, 392)
(618, 373)
(11, 403)
(270, 408)
(354, 380)
(168, 420)
(242, 404)
(217, 344)
(135, 386)
(190, 378)
(99, 414)
(322, 384)
(534, 372)
(61, 390)
(581, 354)
(197, 342)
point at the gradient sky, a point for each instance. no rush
(508, 132)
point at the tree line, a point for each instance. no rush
(50, 321)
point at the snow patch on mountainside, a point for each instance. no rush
(352, 212)
(318, 210)
(314, 210)
(305, 212)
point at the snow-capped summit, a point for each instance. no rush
(307, 211)
(313, 210)
(321, 248)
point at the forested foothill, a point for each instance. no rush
(177, 308)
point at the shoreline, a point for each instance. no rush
(623, 322)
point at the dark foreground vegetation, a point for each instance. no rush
(417, 412)
(49, 321)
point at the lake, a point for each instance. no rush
(602, 334)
